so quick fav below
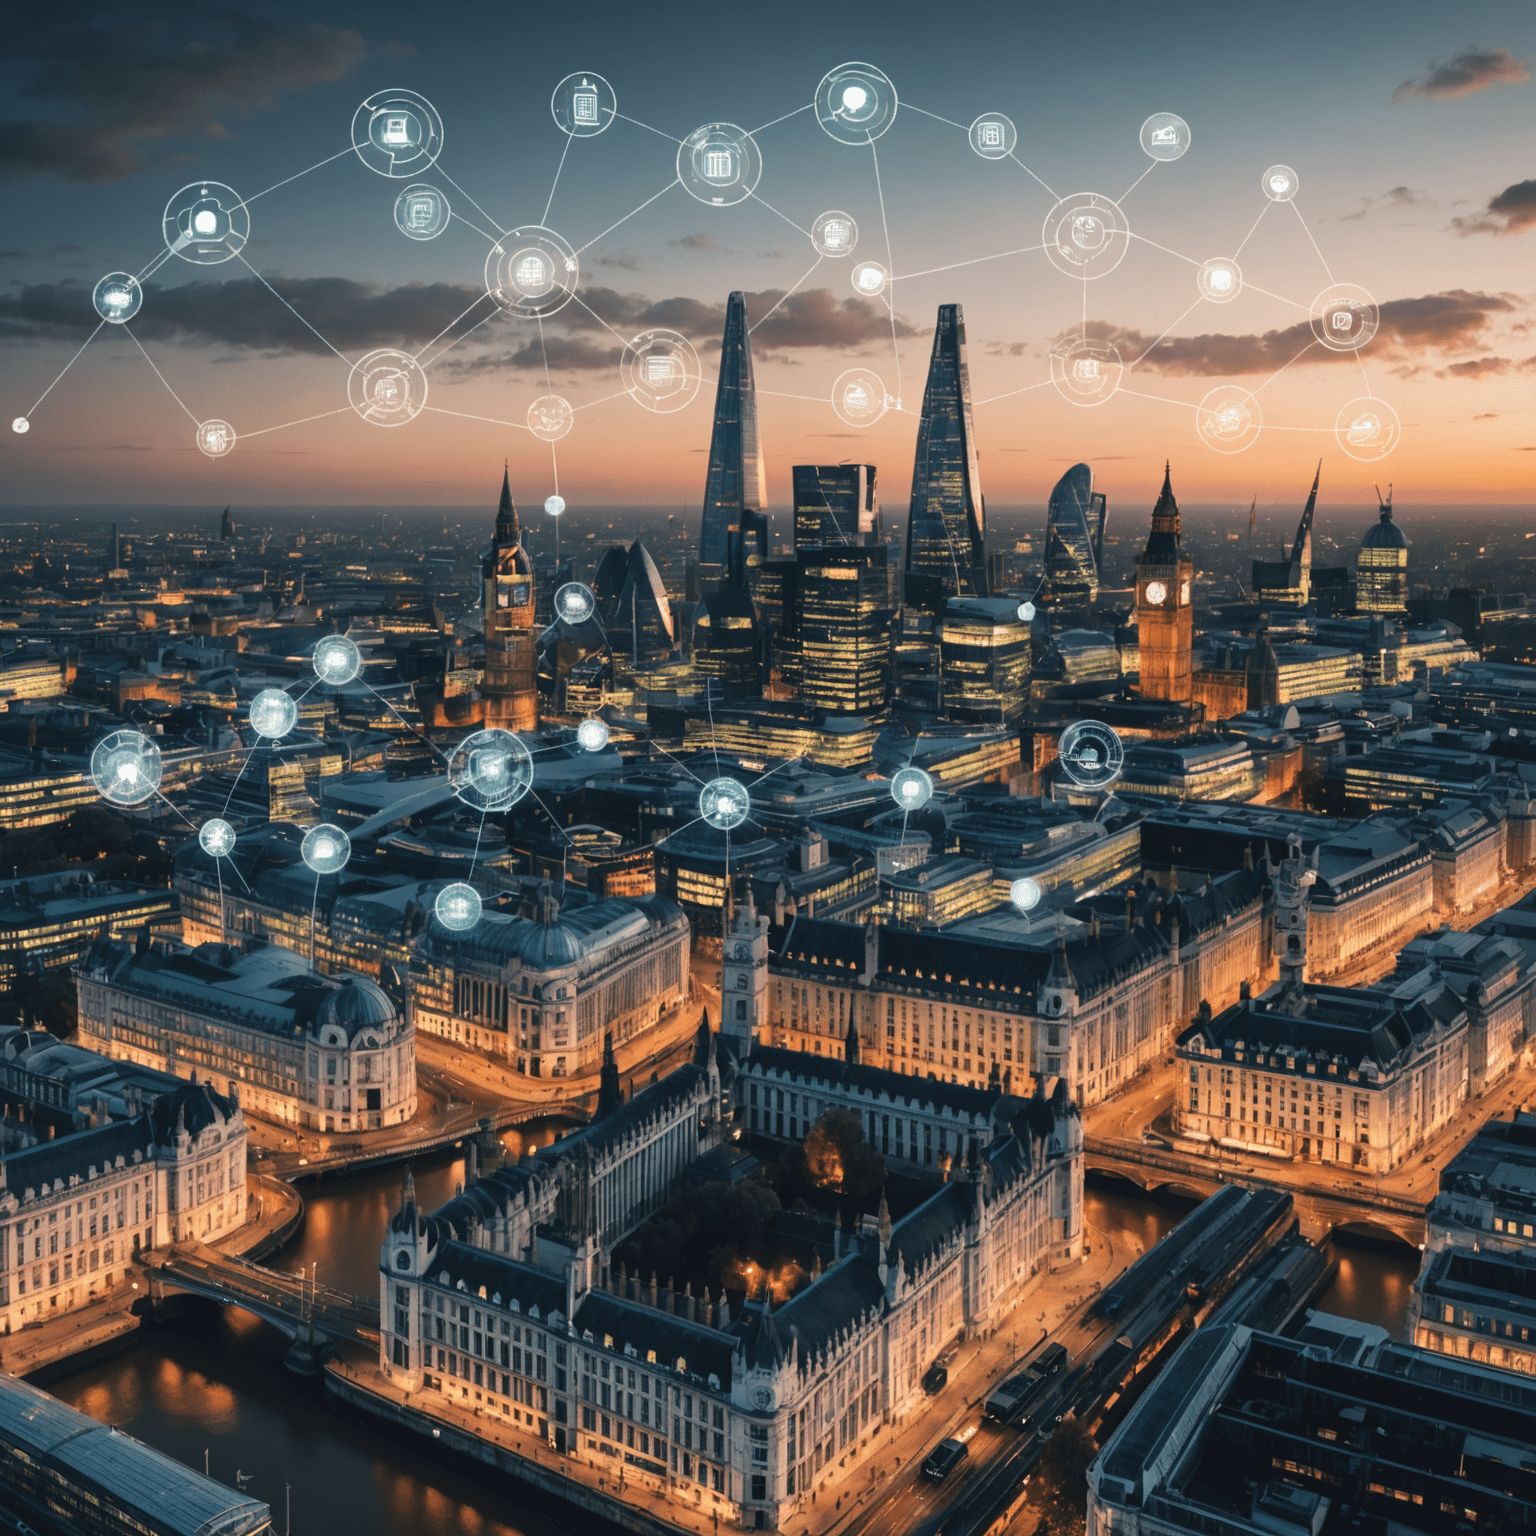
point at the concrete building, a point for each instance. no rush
(49, 921)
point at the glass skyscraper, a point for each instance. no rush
(844, 633)
(1074, 539)
(736, 481)
(946, 525)
(836, 504)
(984, 661)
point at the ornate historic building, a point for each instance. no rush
(1164, 606)
(510, 687)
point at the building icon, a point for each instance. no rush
(584, 104)
(531, 272)
(718, 164)
(991, 135)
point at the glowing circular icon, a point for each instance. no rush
(337, 660)
(869, 279)
(1279, 183)
(720, 164)
(1229, 419)
(1368, 429)
(422, 212)
(834, 233)
(592, 735)
(1084, 371)
(1026, 612)
(458, 907)
(206, 223)
(1086, 235)
(859, 397)
(855, 103)
(491, 770)
(1344, 317)
(531, 272)
(911, 788)
(583, 104)
(273, 713)
(993, 136)
(1220, 280)
(574, 602)
(1025, 894)
(126, 768)
(117, 297)
(550, 417)
(215, 438)
(1091, 754)
(724, 804)
(397, 133)
(554, 505)
(326, 849)
(216, 837)
(387, 387)
(660, 370)
(21, 424)
(1165, 136)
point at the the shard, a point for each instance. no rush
(1074, 539)
(946, 526)
(736, 482)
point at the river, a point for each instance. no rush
(213, 1380)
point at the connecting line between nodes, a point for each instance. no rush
(401, 718)
(1364, 376)
(438, 166)
(1024, 167)
(638, 124)
(569, 140)
(1249, 236)
(67, 366)
(286, 305)
(686, 769)
(1180, 254)
(438, 410)
(798, 281)
(771, 209)
(494, 311)
(1281, 369)
(1008, 394)
(249, 751)
(470, 224)
(633, 211)
(262, 431)
(178, 811)
(778, 394)
(970, 261)
(935, 116)
(1313, 238)
(1278, 297)
(578, 298)
(890, 261)
(148, 359)
(1198, 302)
(349, 150)
(809, 106)
(555, 824)
(148, 271)
(616, 395)
(1183, 405)
(1152, 165)
(544, 352)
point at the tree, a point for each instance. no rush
(835, 1156)
(1061, 1478)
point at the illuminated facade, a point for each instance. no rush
(1074, 539)
(1287, 582)
(510, 687)
(736, 481)
(844, 628)
(1164, 606)
(1381, 568)
(984, 661)
(835, 504)
(48, 921)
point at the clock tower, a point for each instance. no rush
(1164, 607)
(510, 689)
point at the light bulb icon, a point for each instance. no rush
(1278, 184)
(855, 98)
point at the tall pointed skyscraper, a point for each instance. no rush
(510, 689)
(1074, 539)
(736, 482)
(1288, 580)
(946, 527)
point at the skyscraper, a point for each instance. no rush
(1381, 572)
(736, 481)
(984, 661)
(1164, 611)
(510, 689)
(835, 504)
(844, 628)
(227, 527)
(1288, 580)
(946, 524)
(1074, 539)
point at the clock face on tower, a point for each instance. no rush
(1184, 592)
(1157, 593)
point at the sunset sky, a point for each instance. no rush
(1412, 127)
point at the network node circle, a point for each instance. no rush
(387, 387)
(1025, 894)
(1220, 280)
(422, 212)
(869, 279)
(1280, 183)
(859, 397)
(720, 164)
(491, 770)
(592, 735)
(550, 417)
(216, 837)
(326, 849)
(118, 297)
(21, 424)
(215, 438)
(1027, 612)
(126, 768)
(1165, 136)
(337, 660)
(1084, 371)
(724, 804)
(397, 133)
(1229, 419)
(554, 505)
(574, 602)
(206, 223)
(855, 103)
(1086, 235)
(660, 370)
(834, 233)
(1091, 754)
(583, 104)
(911, 788)
(993, 136)
(458, 907)
(273, 713)
(1344, 317)
(1368, 429)
(532, 272)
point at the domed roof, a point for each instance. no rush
(354, 1005)
(1385, 535)
(546, 944)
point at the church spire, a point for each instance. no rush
(507, 530)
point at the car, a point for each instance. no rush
(935, 1379)
(944, 1458)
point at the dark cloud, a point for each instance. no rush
(622, 259)
(696, 242)
(1513, 210)
(1486, 416)
(1476, 368)
(1475, 69)
(111, 87)
(1392, 198)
